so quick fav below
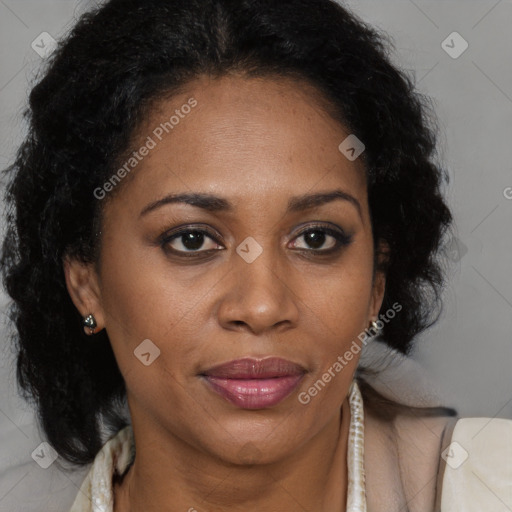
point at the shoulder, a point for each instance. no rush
(419, 462)
(402, 458)
(478, 466)
(421, 439)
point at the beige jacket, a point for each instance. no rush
(419, 463)
(414, 462)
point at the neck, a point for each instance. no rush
(312, 478)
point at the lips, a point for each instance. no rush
(254, 383)
(249, 368)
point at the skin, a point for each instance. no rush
(257, 143)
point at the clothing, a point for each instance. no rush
(96, 491)
(471, 458)
(479, 476)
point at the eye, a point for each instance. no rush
(189, 240)
(318, 236)
(193, 241)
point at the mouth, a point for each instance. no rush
(251, 383)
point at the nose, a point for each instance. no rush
(259, 296)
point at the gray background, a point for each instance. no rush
(468, 353)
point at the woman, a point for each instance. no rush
(217, 205)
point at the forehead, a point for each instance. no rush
(244, 138)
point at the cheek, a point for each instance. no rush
(145, 298)
(142, 313)
(133, 299)
(340, 340)
(341, 298)
(338, 320)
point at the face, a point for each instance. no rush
(259, 272)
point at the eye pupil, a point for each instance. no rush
(193, 240)
(315, 238)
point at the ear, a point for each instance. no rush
(379, 284)
(82, 282)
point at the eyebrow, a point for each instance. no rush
(213, 203)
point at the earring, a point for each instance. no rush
(90, 322)
(375, 326)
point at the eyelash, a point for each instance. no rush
(341, 238)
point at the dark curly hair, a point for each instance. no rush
(83, 113)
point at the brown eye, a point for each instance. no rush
(190, 241)
(316, 237)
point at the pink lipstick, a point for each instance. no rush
(254, 383)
